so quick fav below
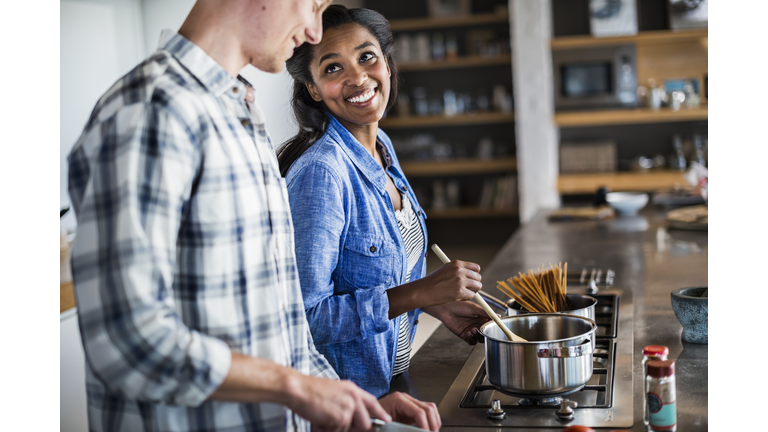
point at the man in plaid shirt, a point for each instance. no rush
(188, 296)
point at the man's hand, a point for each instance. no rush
(330, 405)
(406, 409)
(463, 318)
(336, 406)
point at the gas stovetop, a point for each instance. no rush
(605, 400)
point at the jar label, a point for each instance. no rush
(661, 415)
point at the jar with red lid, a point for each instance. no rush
(651, 352)
(661, 395)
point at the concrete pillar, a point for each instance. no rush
(535, 131)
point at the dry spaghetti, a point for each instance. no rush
(542, 291)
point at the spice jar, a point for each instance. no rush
(661, 395)
(651, 352)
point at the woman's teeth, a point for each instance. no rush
(363, 97)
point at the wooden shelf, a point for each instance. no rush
(461, 62)
(416, 24)
(458, 120)
(459, 167)
(647, 181)
(659, 36)
(470, 212)
(628, 116)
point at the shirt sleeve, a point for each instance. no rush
(317, 205)
(136, 189)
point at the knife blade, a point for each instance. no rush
(382, 426)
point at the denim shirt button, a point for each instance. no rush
(373, 249)
(405, 188)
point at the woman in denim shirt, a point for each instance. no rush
(359, 230)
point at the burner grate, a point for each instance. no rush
(606, 318)
(596, 393)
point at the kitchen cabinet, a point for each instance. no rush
(449, 172)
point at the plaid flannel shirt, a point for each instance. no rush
(184, 250)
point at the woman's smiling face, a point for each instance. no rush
(351, 76)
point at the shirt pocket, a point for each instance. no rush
(368, 261)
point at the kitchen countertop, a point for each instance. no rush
(649, 262)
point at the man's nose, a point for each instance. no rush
(315, 31)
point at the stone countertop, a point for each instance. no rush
(648, 258)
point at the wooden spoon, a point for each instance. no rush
(511, 336)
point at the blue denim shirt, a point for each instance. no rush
(350, 251)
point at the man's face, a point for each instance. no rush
(280, 26)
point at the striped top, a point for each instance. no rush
(413, 238)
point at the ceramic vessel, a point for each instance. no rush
(627, 203)
(692, 312)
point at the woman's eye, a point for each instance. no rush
(367, 56)
(332, 68)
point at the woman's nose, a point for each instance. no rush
(357, 77)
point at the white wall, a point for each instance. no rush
(101, 40)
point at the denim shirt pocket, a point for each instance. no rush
(368, 261)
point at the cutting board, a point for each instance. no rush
(689, 218)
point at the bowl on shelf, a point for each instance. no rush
(627, 203)
(691, 307)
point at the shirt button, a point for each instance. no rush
(405, 188)
(373, 249)
(245, 122)
(235, 90)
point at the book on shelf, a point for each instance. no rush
(499, 192)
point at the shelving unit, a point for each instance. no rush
(461, 62)
(628, 116)
(470, 172)
(660, 55)
(658, 36)
(457, 120)
(415, 24)
(641, 181)
(459, 167)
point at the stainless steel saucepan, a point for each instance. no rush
(557, 358)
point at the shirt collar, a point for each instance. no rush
(359, 155)
(197, 62)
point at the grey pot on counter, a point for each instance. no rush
(692, 311)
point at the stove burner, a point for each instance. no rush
(540, 400)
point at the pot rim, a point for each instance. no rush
(512, 301)
(528, 315)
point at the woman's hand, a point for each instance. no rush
(454, 281)
(406, 409)
(463, 318)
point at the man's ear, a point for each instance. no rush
(389, 72)
(313, 92)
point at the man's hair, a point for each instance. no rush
(310, 114)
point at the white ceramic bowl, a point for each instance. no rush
(627, 203)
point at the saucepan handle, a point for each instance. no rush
(566, 352)
(493, 301)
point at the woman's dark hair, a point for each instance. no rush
(311, 115)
